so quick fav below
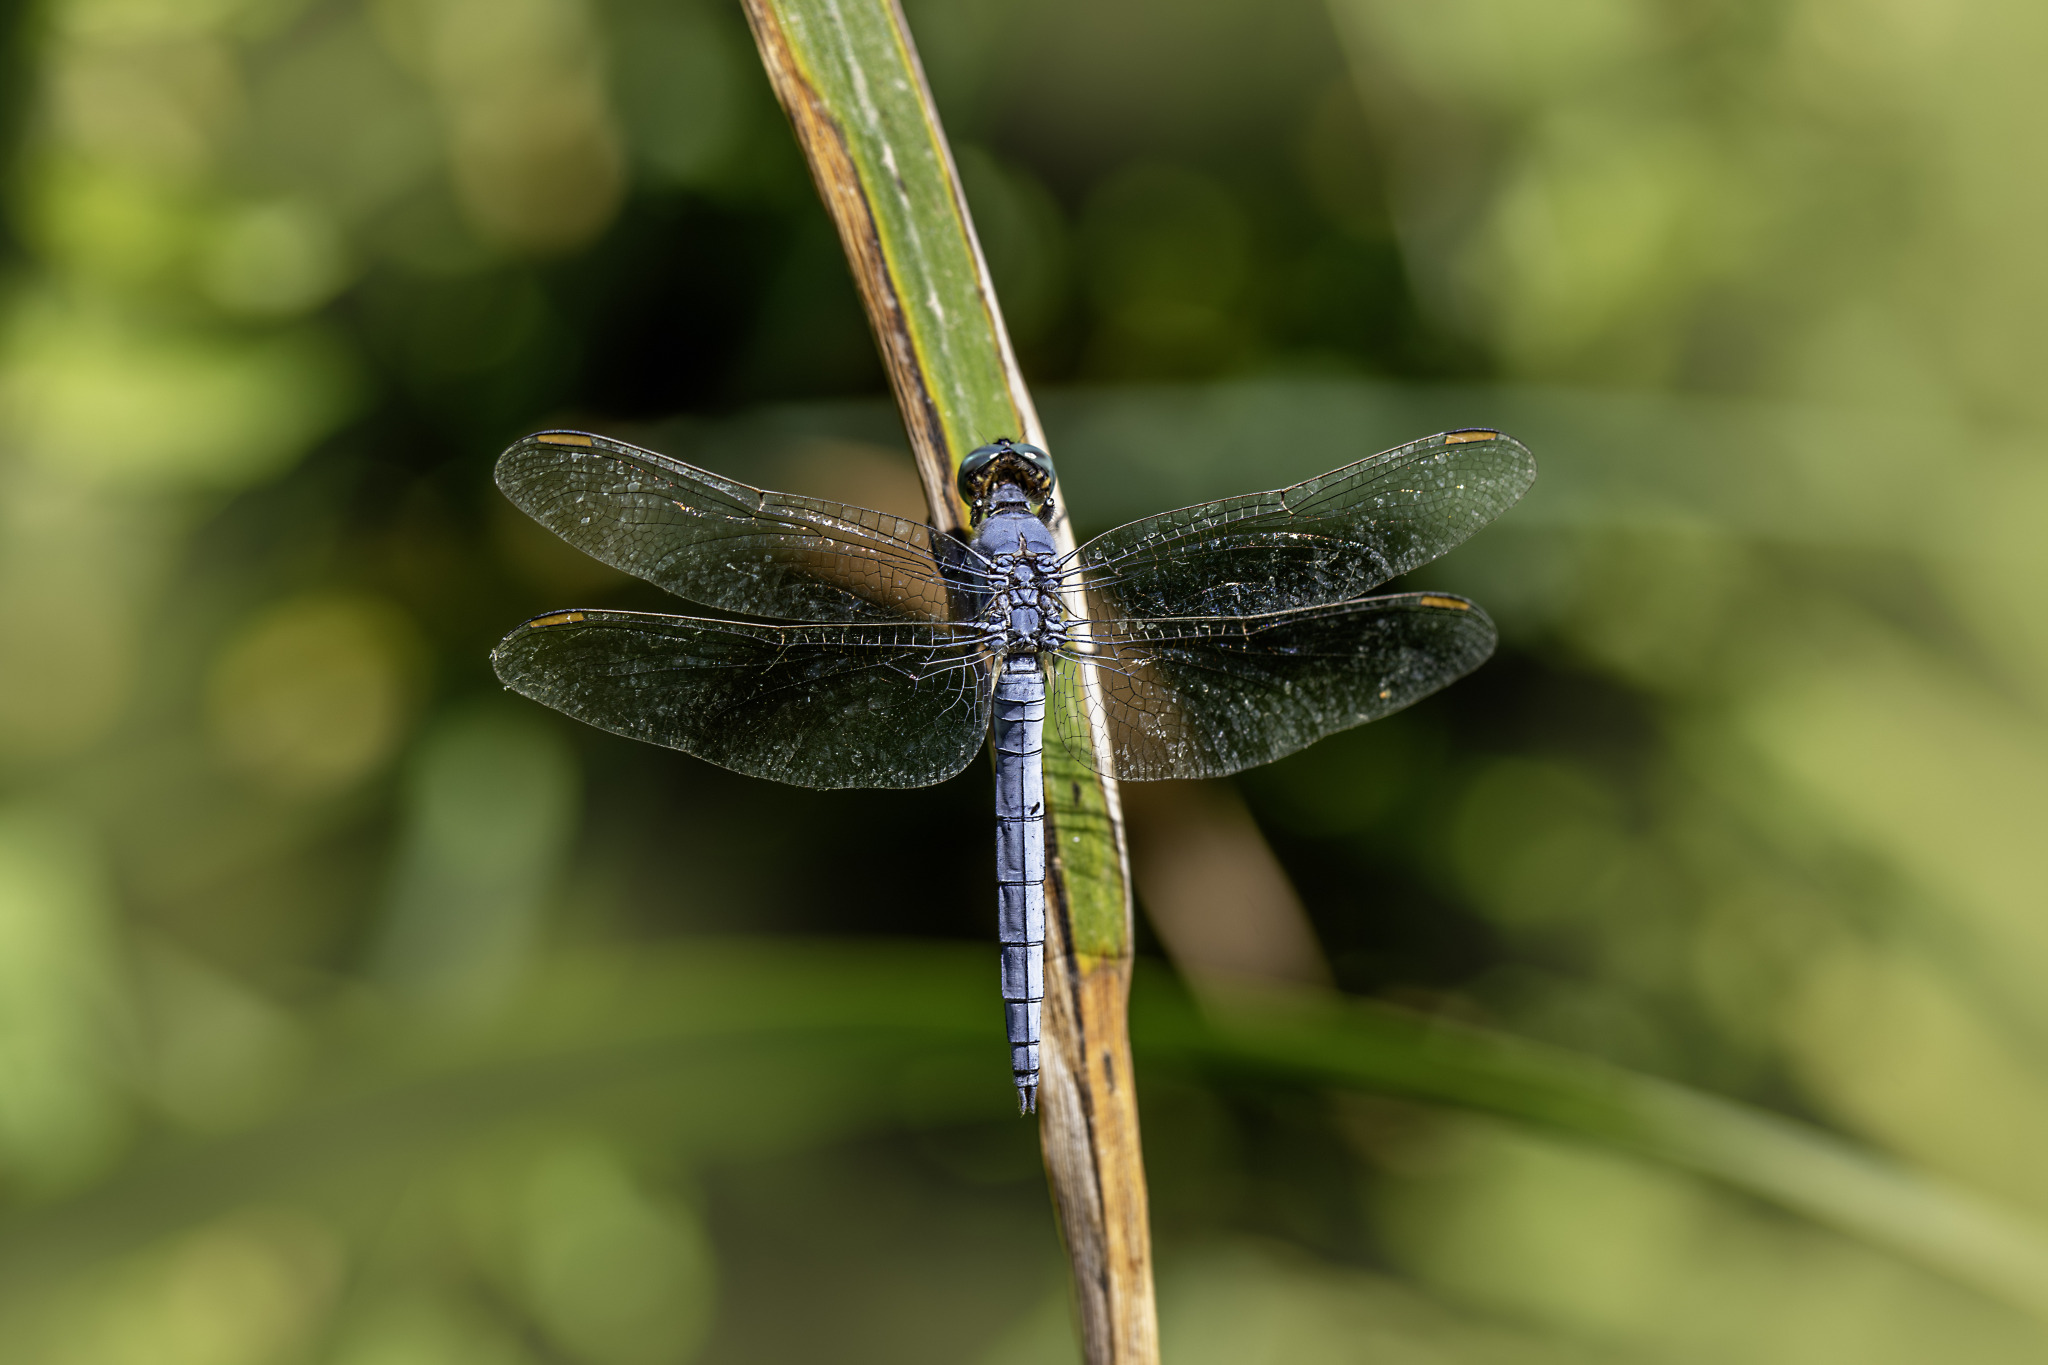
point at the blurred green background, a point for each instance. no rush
(354, 1012)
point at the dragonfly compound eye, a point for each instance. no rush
(1006, 461)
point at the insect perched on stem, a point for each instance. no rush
(1220, 636)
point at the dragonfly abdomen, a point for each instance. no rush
(1020, 863)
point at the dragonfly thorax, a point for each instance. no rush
(1023, 565)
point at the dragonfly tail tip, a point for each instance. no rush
(1027, 1096)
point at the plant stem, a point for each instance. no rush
(848, 75)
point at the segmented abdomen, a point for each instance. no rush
(1020, 863)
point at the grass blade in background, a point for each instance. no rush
(849, 77)
(754, 1033)
(1369, 1047)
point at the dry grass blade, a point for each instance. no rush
(848, 75)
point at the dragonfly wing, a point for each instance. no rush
(1206, 696)
(879, 705)
(1331, 539)
(728, 545)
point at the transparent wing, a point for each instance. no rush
(726, 544)
(883, 705)
(1205, 696)
(1331, 539)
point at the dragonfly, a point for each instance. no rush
(1190, 644)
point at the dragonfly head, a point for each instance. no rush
(1006, 471)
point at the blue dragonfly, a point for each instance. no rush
(1194, 643)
